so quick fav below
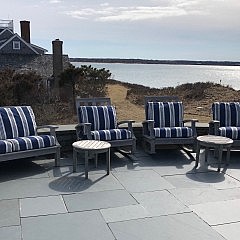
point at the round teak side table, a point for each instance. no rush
(90, 147)
(218, 143)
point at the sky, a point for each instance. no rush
(149, 29)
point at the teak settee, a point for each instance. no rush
(19, 138)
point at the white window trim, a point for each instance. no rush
(16, 45)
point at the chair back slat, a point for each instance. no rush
(17, 122)
(228, 113)
(165, 114)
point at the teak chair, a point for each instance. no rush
(226, 121)
(164, 124)
(97, 120)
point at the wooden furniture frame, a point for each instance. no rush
(218, 143)
(36, 152)
(148, 126)
(90, 148)
(85, 128)
(214, 126)
(18, 120)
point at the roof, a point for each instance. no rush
(20, 39)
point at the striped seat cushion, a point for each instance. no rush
(230, 132)
(5, 147)
(17, 122)
(173, 132)
(165, 114)
(112, 134)
(228, 113)
(100, 117)
(32, 142)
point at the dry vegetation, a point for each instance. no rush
(29, 89)
(197, 98)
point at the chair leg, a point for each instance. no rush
(96, 160)
(57, 157)
(152, 147)
(133, 150)
(197, 155)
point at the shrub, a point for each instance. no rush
(21, 88)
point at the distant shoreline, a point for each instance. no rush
(148, 61)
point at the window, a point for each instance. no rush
(16, 45)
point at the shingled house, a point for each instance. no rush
(12, 43)
(19, 53)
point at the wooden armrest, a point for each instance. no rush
(190, 120)
(52, 129)
(126, 121)
(147, 121)
(82, 125)
(129, 123)
(214, 122)
(47, 126)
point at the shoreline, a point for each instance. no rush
(150, 61)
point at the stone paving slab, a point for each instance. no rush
(159, 203)
(9, 213)
(98, 200)
(221, 212)
(143, 180)
(30, 207)
(124, 213)
(10, 233)
(55, 186)
(229, 231)
(181, 226)
(87, 225)
(211, 179)
(22, 169)
(192, 196)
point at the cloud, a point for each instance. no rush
(55, 1)
(106, 12)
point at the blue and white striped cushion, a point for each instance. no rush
(17, 122)
(100, 117)
(173, 132)
(165, 114)
(32, 142)
(5, 147)
(230, 132)
(228, 113)
(112, 134)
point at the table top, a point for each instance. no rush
(217, 140)
(91, 145)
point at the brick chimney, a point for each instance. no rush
(57, 60)
(25, 30)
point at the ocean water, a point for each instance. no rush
(164, 75)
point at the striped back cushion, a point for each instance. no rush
(101, 117)
(228, 113)
(165, 114)
(17, 122)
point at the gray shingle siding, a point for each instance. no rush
(42, 64)
(24, 49)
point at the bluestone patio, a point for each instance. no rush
(149, 197)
